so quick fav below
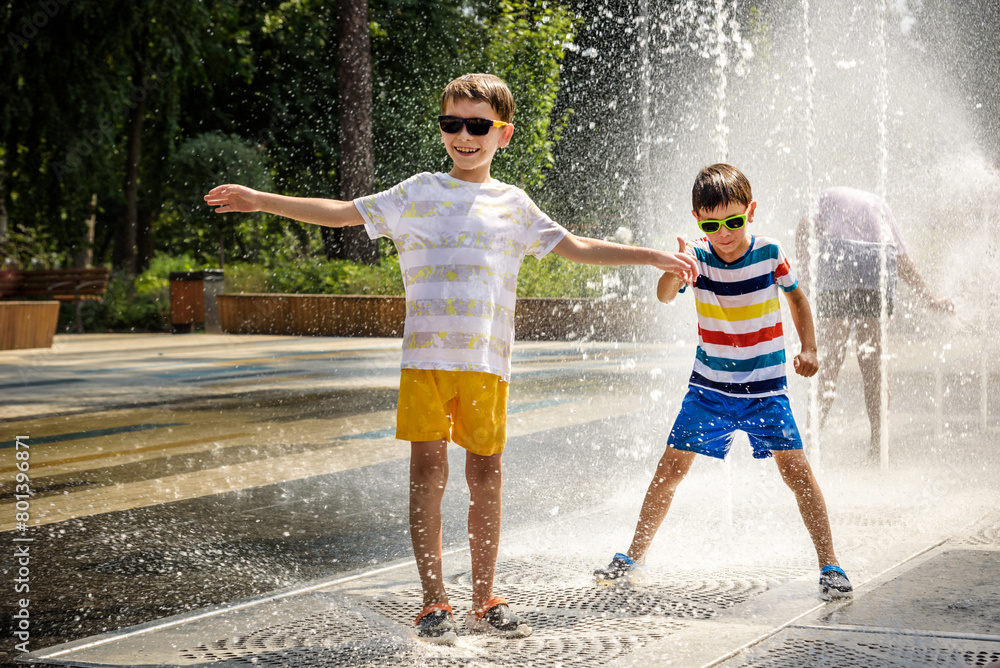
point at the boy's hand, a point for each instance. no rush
(680, 263)
(233, 198)
(806, 363)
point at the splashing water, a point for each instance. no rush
(803, 97)
(812, 241)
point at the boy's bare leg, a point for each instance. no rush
(428, 476)
(869, 333)
(673, 466)
(831, 334)
(798, 475)
(485, 478)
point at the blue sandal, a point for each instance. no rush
(833, 584)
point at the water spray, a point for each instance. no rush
(813, 242)
(885, 237)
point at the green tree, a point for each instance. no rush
(98, 97)
(416, 50)
(418, 47)
(54, 135)
(524, 44)
(597, 182)
(188, 226)
(160, 50)
(97, 89)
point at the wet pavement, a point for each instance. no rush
(240, 500)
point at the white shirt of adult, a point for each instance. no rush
(850, 214)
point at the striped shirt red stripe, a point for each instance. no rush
(740, 340)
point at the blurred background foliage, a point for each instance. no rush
(118, 117)
(173, 98)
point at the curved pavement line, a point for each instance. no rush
(863, 587)
(40, 655)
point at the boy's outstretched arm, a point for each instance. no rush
(594, 251)
(315, 210)
(806, 363)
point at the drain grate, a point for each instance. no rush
(536, 652)
(934, 656)
(834, 648)
(986, 536)
(633, 602)
(338, 637)
(796, 653)
(537, 604)
(357, 637)
(576, 624)
(699, 594)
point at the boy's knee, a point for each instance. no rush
(673, 465)
(668, 477)
(792, 464)
(484, 477)
(428, 475)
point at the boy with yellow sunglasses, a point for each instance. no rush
(738, 381)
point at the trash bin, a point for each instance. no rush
(192, 300)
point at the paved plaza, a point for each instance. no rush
(240, 500)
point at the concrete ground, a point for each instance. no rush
(240, 500)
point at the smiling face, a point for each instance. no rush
(470, 154)
(730, 245)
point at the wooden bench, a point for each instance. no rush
(10, 281)
(61, 285)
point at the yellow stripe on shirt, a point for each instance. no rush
(738, 312)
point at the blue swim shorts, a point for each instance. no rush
(707, 420)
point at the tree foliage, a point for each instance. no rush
(524, 46)
(122, 111)
(186, 225)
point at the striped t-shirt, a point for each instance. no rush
(460, 246)
(741, 349)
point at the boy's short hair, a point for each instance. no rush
(720, 185)
(481, 88)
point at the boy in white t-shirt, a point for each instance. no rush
(461, 239)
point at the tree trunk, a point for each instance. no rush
(357, 164)
(85, 256)
(126, 243)
(3, 215)
(144, 242)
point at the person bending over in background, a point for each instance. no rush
(852, 229)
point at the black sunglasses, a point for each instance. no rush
(476, 126)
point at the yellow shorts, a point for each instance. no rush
(467, 407)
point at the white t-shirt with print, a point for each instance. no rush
(460, 246)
